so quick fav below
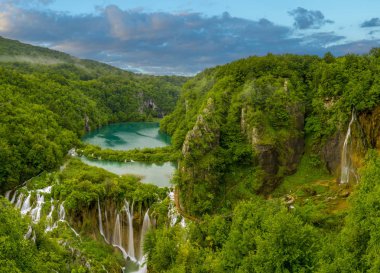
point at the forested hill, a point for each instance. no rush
(271, 148)
(255, 117)
(48, 99)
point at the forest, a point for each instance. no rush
(278, 164)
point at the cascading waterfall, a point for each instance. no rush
(131, 247)
(62, 217)
(14, 197)
(28, 233)
(19, 201)
(36, 212)
(346, 160)
(145, 227)
(49, 217)
(117, 236)
(101, 222)
(45, 190)
(173, 213)
(62, 213)
(26, 205)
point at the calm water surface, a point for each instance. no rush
(127, 136)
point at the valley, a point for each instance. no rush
(265, 164)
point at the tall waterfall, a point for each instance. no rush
(117, 236)
(101, 222)
(145, 227)
(131, 247)
(346, 157)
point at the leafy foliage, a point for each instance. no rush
(49, 99)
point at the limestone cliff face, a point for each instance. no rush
(204, 136)
(278, 156)
(365, 133)
(113, 219)
(370, 123)
(197, 169)
(331, 152)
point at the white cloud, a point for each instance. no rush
(161, 43)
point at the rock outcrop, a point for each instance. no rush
(281, 155)
(364, 134)
(370, 123)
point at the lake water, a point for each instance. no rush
(127, 136)
(151, 173)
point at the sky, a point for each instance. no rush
(181, 37)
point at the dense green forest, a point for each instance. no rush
(263, 145)
(46, 106)
(261, 141)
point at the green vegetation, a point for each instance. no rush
(258, 142)
(48, 252)
(82, 185)
(79, 187)
(251, 118)
(157, 155)
(307, 180)
(242, 129)
(46, 106)
(266, 236)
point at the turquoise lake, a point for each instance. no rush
(127, 136)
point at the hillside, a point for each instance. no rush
(271, 149)
(49, 99)
(278, 166)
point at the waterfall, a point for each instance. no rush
(62, 213)
(345, 160)
(142, 269)
(100, 222)
(49, 217)
(26, 205)
(117, 238)
(7, 194)
(131, 247)
(172, 211)
(28, 233)
(107, 223)
(36, 212)
(14, 197)
(45, 190)
(145, 227)
(19, 200)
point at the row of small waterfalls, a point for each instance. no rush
(122, 227)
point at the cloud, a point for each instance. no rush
(159, 42)
(30, 3)
(374, 22)
(357, 47)
(322, 39)
(308, 19)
